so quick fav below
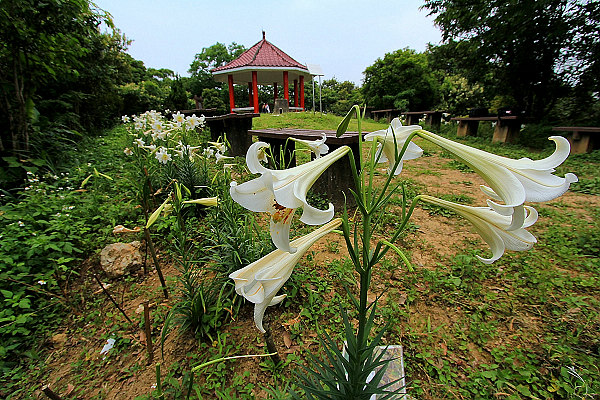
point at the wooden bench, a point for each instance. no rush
(432, 118)
(389, 114)
(506, 131)
(583, 139)
(243, 110)
(235, 127)
(207, 112)
(337, 179)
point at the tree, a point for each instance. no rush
(212, 99)
(403, 80)
(528, 44)
(178, 97)
(339, 97)
(209, 58)
(215, 56)
(40, 43)
(462, 85)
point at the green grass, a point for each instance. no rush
(307, 120)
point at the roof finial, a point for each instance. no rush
(263, 35)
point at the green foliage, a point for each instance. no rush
(338, 97)
(138, 97)
(536, 136)
(62, 79)
(178, 97)
(47, 228)
(337, 374)
(532, 52)
(525, 326)
(209, 58)
(458, 95)
(403, 79)
(211, 99)
(215, 56)
(587, 186)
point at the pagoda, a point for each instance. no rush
(264, 64)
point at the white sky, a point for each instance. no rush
(343, 37)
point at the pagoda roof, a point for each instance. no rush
(265, 58)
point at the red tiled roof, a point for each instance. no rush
(262, 54)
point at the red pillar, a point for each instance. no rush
(250, 94)
(302, 91)
(274, 90)
(255, 90)
(295, 92)
(231, 97)
(286, 84)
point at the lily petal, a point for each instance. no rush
(316, 146)
(255, 195)
(513, 181)
(495, 229)
(279, 227)
(280, 192)
(391, 142)
(260, 281)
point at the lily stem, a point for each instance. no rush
(112, 300)
(148, 331)
(271, 345)
(50, 394)
(156, 264)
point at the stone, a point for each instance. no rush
(59, 340)
(119, 259)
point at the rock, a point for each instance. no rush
(59, 340)
(118, 259)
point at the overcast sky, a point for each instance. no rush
(343, 37)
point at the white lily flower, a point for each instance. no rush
(139, 142)
(157, 126)
(193, 121)
(221, 157)
(260, 281)
(125, 119)
(391, 141)
(179, 118)
(220, 146)
(280, 192)
(162, 135)
(128, 151)
(208, 152)
(162, 155)
(494, 228)
(316, 146)
(513, 181)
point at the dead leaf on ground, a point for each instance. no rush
(69, 390)
(287, 339)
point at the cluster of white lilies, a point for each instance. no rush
(502, 223)
(157, 134)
